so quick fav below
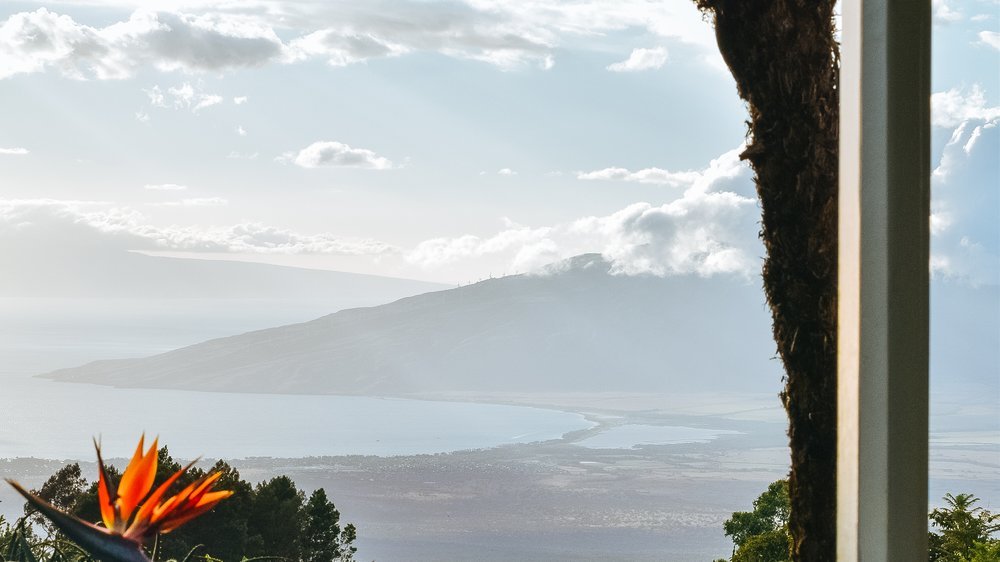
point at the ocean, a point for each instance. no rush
(44, 419)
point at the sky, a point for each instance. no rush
(439, 140)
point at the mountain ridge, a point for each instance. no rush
(574, 326)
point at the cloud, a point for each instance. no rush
(332, 154)
(506, 172)
(196, 202)
(343, 47)
(590, 18)
(164, 187)
(943, 13)
(240, 100)
(725, 166)
(42, 40)
(970, 116)
(207, 101)
(641, 59)
(965, 239)
(990, 38)
(241, 131)
(14, 151)
(184, 96)
(952, 107)
(103, 226)
(941, 221)
(522, 242)
(361, 31)
(657, 176)
(710, 229)
(504, 34)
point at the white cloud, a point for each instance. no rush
(156, 97)
(184, 96)
(657, 176)
(360, 31)
(710, 229)
(517, 239)
(506, 172)
(952, 107)
(941, 221)
(196, 202)
(943, 13)
(41, 40)
(142, 116)
(109, 226)
(501, 33)
(241, 131)
(641, 59)
(991, 38)
(343, 47)
(968, 261)
(14, 151)
(165, 187)
(207, 101)
(332, 154)
(726, 166)
(589, 18)
(966, 236)
(240, 100)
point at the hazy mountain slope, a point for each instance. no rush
(578, 330)
(121, 274)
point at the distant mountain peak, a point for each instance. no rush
(584, 262)
(577, 329)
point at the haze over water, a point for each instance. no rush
(58, 421)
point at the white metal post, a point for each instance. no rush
(883, 281)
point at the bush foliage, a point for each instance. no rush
(960, 531)
(273, 519)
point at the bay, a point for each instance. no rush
(45, 419)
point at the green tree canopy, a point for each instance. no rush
(270, 519)
(761, 535)
(961, 531)
(965, 530)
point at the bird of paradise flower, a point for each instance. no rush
(131, 514)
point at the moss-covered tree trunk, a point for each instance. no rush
(784, 58)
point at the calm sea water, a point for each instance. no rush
(45, 419)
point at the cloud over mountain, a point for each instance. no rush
(101, 227)
(711, 228)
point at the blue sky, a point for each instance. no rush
(438, 140)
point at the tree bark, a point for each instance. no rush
(785, 60)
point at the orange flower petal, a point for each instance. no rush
(137, 479)
(104, 494)
(192, 501)
(214, 497)
(182, 517)
(146, 513)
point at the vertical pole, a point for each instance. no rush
(883, 281)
